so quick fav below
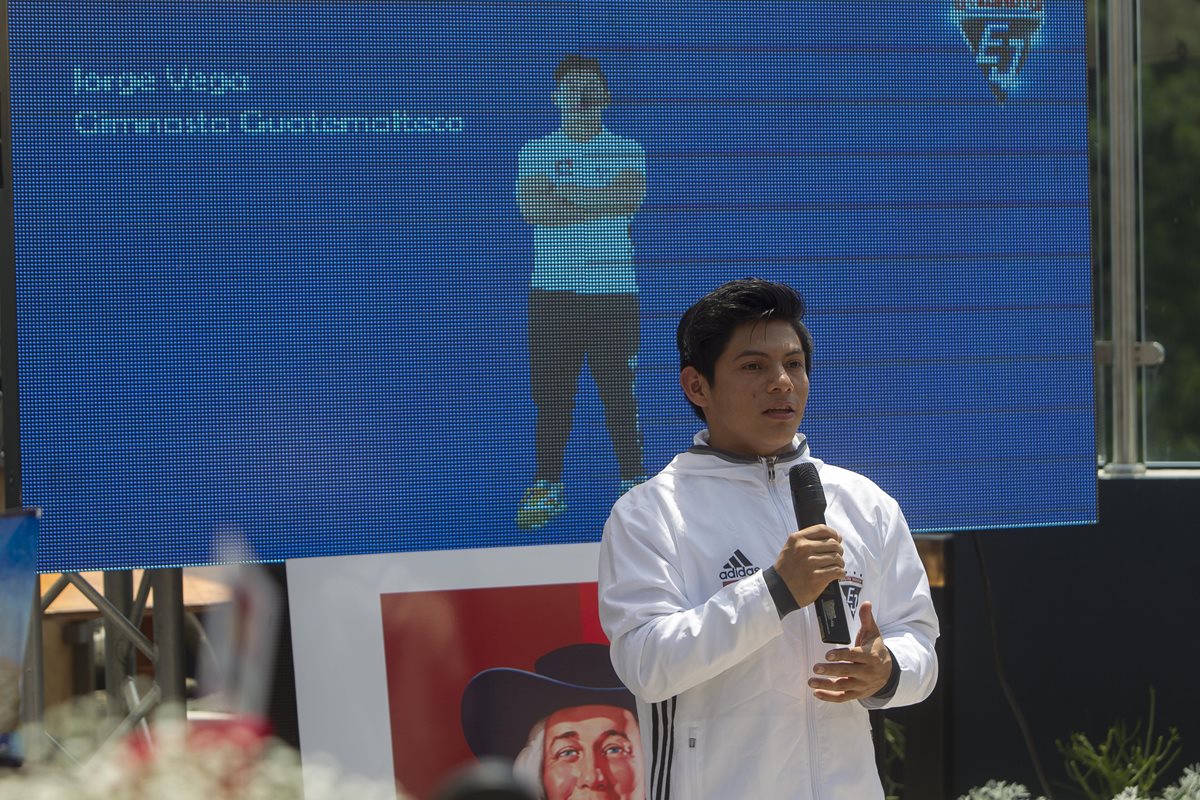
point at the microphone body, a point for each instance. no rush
(808, 497)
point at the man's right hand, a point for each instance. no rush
(810, 560)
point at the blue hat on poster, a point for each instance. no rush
(501, 705)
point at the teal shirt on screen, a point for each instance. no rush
(593, 257)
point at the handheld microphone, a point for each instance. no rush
(808, 497)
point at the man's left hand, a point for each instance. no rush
(852, 673)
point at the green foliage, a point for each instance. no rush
(1122, 761)
(1169, 152)
(1171, 248)
(893, 758)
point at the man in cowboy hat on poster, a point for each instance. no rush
(569, 726)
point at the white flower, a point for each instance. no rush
(1188, 787)
(1130, 793)
(224, 764)
(998, 790)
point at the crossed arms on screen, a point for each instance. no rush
(543, 202)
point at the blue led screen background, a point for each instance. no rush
(272, 279)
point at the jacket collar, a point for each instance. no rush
(700, 446)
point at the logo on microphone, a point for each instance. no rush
(1000, 33)
(851, 589)
(736, 568)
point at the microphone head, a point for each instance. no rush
(804, 476)
(808, 495)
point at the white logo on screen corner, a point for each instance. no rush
(736, 568)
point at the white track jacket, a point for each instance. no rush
(721, 681)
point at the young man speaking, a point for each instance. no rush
(706, 588)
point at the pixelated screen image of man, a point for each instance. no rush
(579, 187)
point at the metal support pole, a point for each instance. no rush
(109, 613)
(1122, 77)
(118, 590)
(54, 591)
(138, 612)
(33, 686)
(169, 670)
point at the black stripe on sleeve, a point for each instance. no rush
(655, 760)
(670, 749)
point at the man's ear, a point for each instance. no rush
(695, 386)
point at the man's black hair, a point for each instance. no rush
(577, 63)
(706, 328)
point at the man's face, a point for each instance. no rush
(756, 399)
(592, 752)
(580, 91)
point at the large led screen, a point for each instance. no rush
(351, 276)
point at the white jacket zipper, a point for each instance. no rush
(810, 702)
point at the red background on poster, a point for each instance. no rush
(435, 642)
